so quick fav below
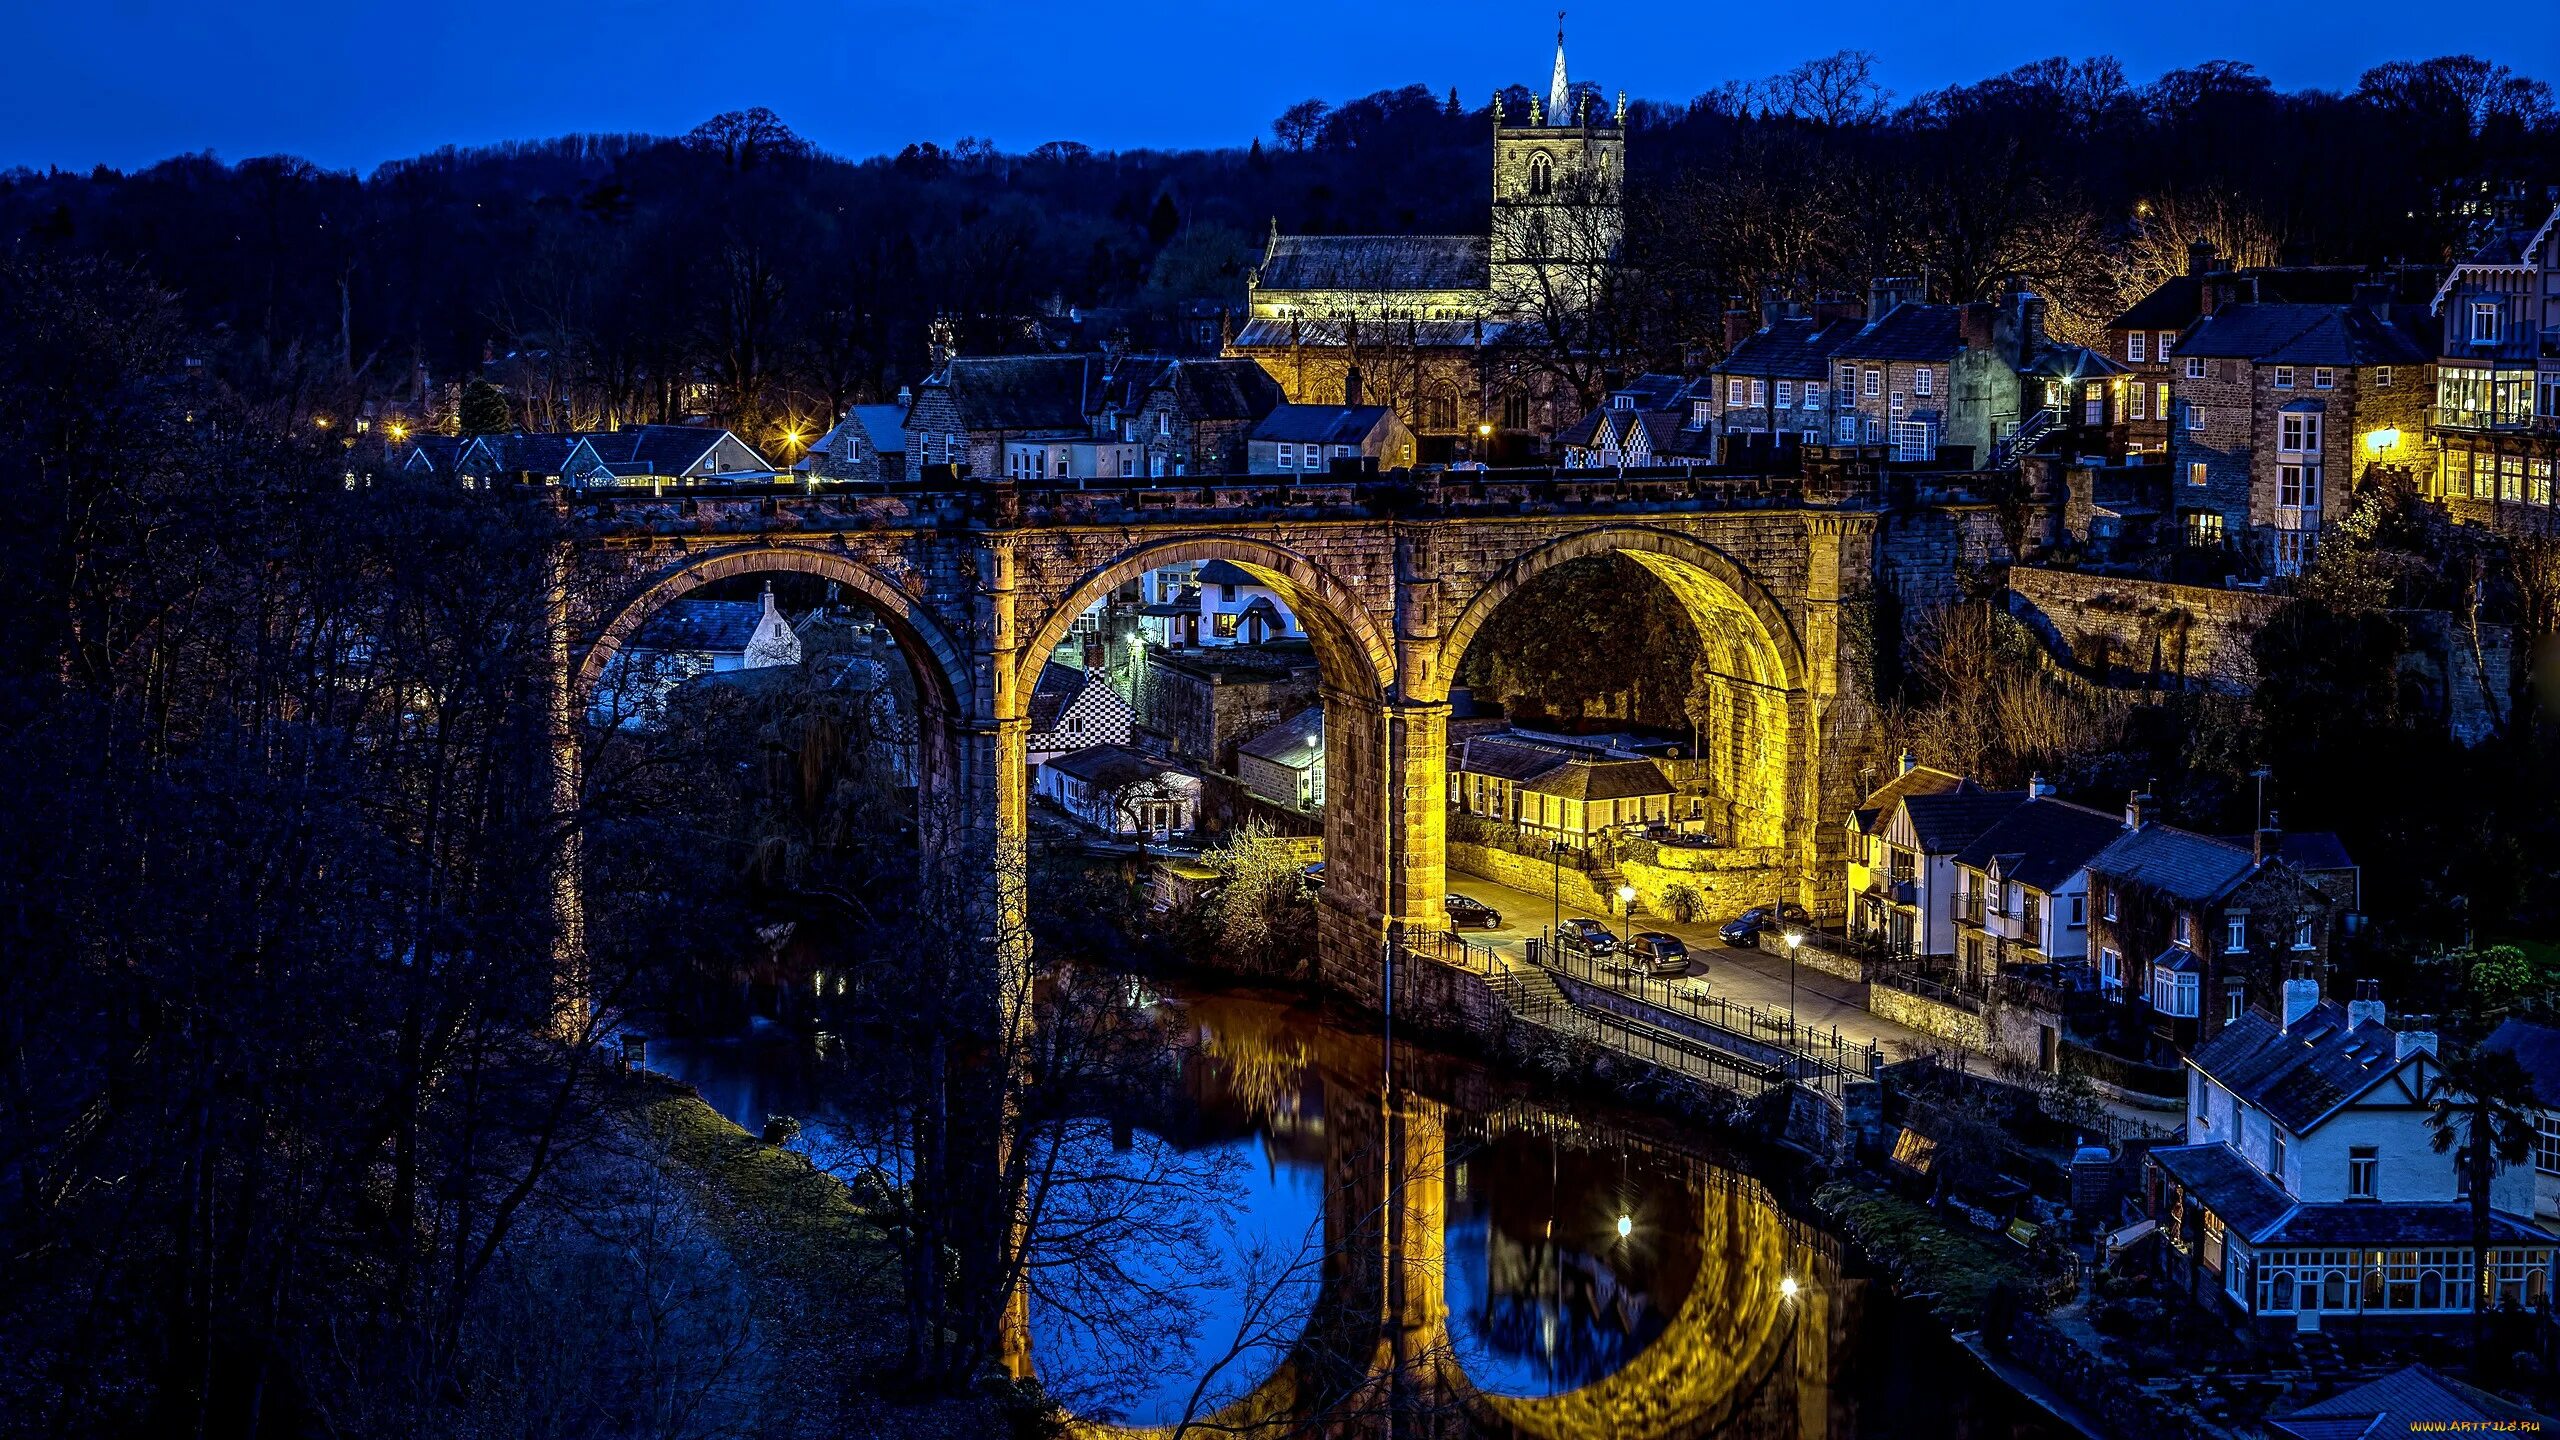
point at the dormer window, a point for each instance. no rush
(1622, 401)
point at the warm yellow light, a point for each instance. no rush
(1794, 938)
(1627, 1227)
(1484, 429)
(1787, 1288)
(2378, 441)
(1626, 894)
(399, 431)
(322, 421)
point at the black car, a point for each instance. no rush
(1586, 937)
(1747, 927)
(1466, 913)
(1655, 953)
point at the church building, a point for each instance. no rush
(1457, 333)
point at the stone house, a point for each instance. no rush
(2281, 408)
(1568, 793)
(1903, 840)
(686, 640)
(1199, 705)
(1197, 417)
(2497, 402)
(1085, 416)
(1918, 378)
(1072, 709)
(1650, 420)
(1122, 792)
(2308, 1190)
(1774, 386)
(2190, 930)
(1237, 608)
(1285, 764)
(2022, 887)
(1313, 439)
(683, 454)
(869, 443)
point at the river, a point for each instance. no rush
(1291, 1222)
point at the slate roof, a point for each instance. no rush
(2179, 863)
(883, 425)
(438, 451)
(1219, 389)
(1794, 347)
(2397, 1222)
(1508, 757)
(2302, 849)
(1377, 262)
(2228, 1185)
(1909, 331)
(1666, 432)
(2298, 1075)
(1020, 392)
(1946, 821)
(702, 625)
(1225, 572)
(1113, 766)
(2304, 335)
(1918, 780)
(2396, 1403)
(658, 449)
(1321, 424)
(1584, 779)
(536, 454)
(1287, 742)
(2536, 1048)
(2178, 301)
(2043, 842)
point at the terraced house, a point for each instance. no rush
(2497, 410)
(1903, 841)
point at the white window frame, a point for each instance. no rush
(2298, 432)
(2195, 367)
(2488, 322)
(2168, 342)
(2137, 346)
(2183, 931)
(2235, 934)
(2298, 486)
(2382, 377)
(1786, 395)
(1288, 455)
(1736, 390)
(2364, 1172)
(1924, 381)
(2323, 378)
(1873, 384)
(2110, 969)
(2284, 377)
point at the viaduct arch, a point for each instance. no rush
(1392, 579)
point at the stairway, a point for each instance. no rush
(2023, 440)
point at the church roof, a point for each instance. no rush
(1409, 334)
(1377, 262)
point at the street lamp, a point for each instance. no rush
(1794, 939)
(1627, 911)
(1787, 1288)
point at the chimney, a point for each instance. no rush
(1770, 306)
(1908, 762)
(1888, 291)
(2224, 288)
(2137, 809)
(1737, 328)
(2039, 787)
(2406, 1043)
(2202, 258)
(2301, 997)
(768, 599)
(906, 396)
(2367, 1005)
(2270, 840)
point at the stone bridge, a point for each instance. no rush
(1391, 577)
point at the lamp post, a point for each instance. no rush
(1627, 914)
(1794, 939)
(1555, 895)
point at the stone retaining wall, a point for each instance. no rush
(1928, 1016)
(2102, 1388)
(1726, 882)
(2125, 631)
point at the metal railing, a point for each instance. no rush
(2452, 417)
(1824, 1047)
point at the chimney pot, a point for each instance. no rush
(2367, 1005)
(2301, 997)
(2039, 786)
(1908, 762)
(2137, 809)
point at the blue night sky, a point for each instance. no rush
(350, 83)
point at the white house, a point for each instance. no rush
(1237, 609)
(1285, 764)
(1903, 843)
(2308, 1189)
(1074, 709)
(2022, 887)
(2537, 1048)
(1121, 792)
(686, 640)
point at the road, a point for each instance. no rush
(1751, 977)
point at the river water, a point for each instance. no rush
(1284, 1220)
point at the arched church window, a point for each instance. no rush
(1542, 174)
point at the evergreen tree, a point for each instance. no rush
(483, 410)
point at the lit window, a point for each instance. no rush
(2141, 402)
(2196, 473)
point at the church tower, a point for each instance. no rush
(1559, 178)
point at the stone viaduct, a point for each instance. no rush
(1392, 576)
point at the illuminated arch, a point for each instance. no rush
(940, 666)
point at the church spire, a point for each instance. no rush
(1556, 87)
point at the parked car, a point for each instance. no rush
(1467, 913)
(1747, 927)
(1586, 937)
(1654, 953)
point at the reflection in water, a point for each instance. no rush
(1257, 1230)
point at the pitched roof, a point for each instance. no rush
(2043, 842)
(1793, 347)
(1055, 690)
(2301, 1074)
(2358, 1223)
(1509, 757)
(1321, 424)
(2228, 1185)
(1226, 572)
(1948, 820)
(659, 449)
(1909, 331)
(1377, 262)
(701, 625)
(2303, 335)
(2537, 1048)
(1578, 778)
(2395, 1403)
(1666, 432)
(2175, 303)
(1295, 742)
(1918, 780)
(883, 425)
(1019, 392)
(2179, 863)
(1222, 389)
(1112, 766)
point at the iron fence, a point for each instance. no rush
(1824, 1046)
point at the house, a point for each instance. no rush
(1903, 843)
(2497, 400)
(1918, 376)
(1237, 608)
(2190, 930)
(2537, 1048)
(1651, 420)
(1301, 439)
(1085, 416)
(1194, 416)
(465, 460)
(2144, 338)
(2282, 407)
(1566, 793)
(1120, 791)
(2022, 887)
(1775, 383)
(2308, 1189)
(1074, 709)
(1199, 705)
(2408, 1401)
(1285, 764)
(685, 640)
(685, 454)
(869, 443)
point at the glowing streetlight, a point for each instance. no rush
(399, 432)
(320, 420)
(1787, 1288)
(1627, 1227)
(1627, 909)
(1794, 939)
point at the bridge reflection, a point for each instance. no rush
(1495, 1265)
